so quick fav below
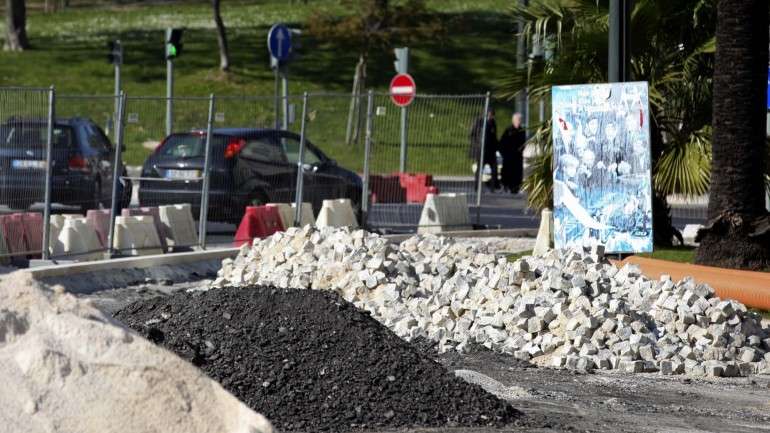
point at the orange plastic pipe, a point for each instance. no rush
(750, 288)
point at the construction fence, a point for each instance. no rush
(114, 161)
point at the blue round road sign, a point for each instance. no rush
(279, 42)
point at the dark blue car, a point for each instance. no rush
(248, 167)
(82, 164)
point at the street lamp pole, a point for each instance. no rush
(619, 40)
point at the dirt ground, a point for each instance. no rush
(565, 401)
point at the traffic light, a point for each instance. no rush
(402, 60)
(174, 44)
(115, 54)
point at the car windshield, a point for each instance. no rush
(34, 136)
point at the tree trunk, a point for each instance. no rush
(355, 96)
(224, 54)
(664, 231)
(738, 232)
(15, 26)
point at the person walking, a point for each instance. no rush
(489, 145)
(512, 150)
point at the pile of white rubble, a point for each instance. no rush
(565, 309)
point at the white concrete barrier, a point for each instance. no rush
(136, 236)
(444, 212)
(75, 239)
(149, 211)
(178, 225)
(286, 211)
(336, 213)
(99, 220)
(544, 241)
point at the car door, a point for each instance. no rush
(262, 168)
(312, 192)
(328, 177)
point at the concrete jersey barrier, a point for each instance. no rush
(178, 225)
(136, 235)
(337, 213)
(77, 239)
(444, 212)
(286, 211)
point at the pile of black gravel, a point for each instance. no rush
(310, 361)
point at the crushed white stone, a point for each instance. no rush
(573, 307)
(67, 367)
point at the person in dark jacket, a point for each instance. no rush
(489, 144)
(512, 150)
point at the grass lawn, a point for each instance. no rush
(69, 52)
(673, 254)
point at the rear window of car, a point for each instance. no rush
(35, 136)
(190, 145)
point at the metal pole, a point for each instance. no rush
(169, 88)
(285, 94)
(480, 166)
(117, 93)
(204, 211)
(300, 164)
(619, 40)
(46, 253)
(116, 172)
(277, 94)
(404, 127)
(367, 155)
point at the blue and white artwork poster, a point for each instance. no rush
(601, 181)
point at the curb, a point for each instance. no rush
(89, 277)
(115, 273)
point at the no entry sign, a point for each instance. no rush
(402, 90)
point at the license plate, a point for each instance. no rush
(28, 163)
(183, 174)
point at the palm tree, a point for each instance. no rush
(672, 46)
(738, 233)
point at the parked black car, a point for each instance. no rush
(248, 167)
(82, 164)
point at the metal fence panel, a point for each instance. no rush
(27, 137)
(437, 144)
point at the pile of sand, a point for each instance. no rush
(66, 367)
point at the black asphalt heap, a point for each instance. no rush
(311, 361)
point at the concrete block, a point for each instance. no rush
(178, 226)
(136, 236)
(544, 241)
(336, 213)
(286, 211)
(444, 212)
(99, 220)
(153, 212)
(76, 240)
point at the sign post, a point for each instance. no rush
(173, 50)
(402, 92)
(279, 44)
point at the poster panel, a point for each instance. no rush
(601, 181)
